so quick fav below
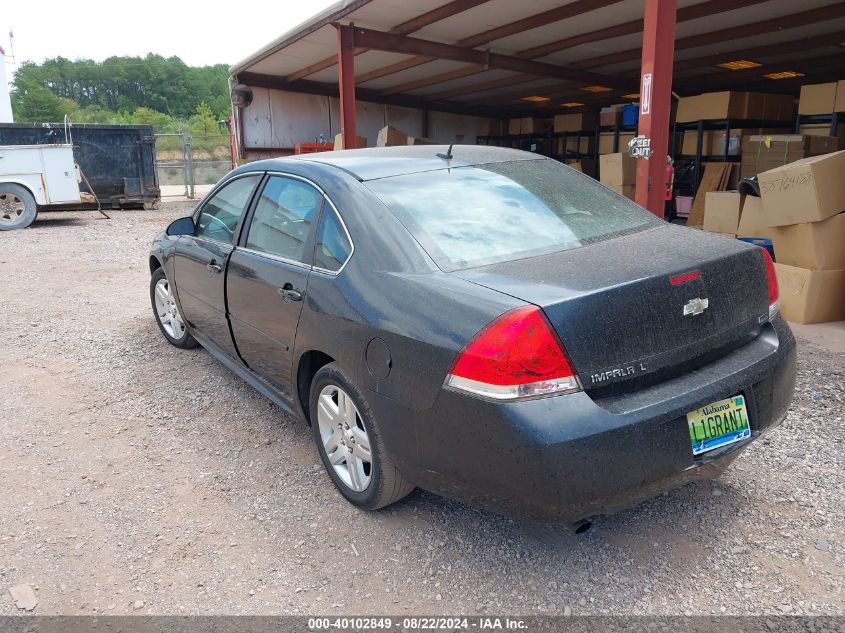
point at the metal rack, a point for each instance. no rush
(688, 170)
(550, 139)
(835, 120)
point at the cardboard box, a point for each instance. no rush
(629, 191)
(711, 105)
(776, 108)
(576, 165)
(419, 140)
(611, 115)
(767, 151)
(817, 99)
(839, 104)
(391, 137)
(530, 125)
(360, 141)
(808, 190)
(575, 122)
(735, 139)
(584, 146)
(492, 127)
(823, 129)
(735, 105)
(690, 138)
(721, 211)
(813, 245)
(606, 142)
(751, 220)
(811, 296)
(617, 169)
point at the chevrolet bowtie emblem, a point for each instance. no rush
(695, 306)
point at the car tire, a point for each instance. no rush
(379, 484)
(17, 207)
(167, 314)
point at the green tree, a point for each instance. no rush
(204, 122)
(38, 104)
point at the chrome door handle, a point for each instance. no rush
(214, 267)
(289, 294)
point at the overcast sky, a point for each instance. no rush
(198, 32)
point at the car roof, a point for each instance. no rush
(382, 162)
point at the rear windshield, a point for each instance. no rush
(484, 214)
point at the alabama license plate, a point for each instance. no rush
(718, 424)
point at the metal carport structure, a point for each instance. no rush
(499, 58)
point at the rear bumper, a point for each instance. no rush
(572, 457)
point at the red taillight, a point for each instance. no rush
(772, 279)
(683, 278)
(516, 356)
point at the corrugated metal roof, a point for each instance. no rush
(601, 36)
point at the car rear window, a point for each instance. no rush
(484, 214)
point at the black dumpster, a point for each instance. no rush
(118, 160)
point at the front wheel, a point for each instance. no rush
(167, 314)
(17, 207)
(350, 444)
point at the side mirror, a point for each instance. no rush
(182, 226)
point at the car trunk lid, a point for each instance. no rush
(641, 304)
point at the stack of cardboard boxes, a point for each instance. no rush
(804, 203)
(822, 99)
(762, 152)
(802, 211)
(619, 172)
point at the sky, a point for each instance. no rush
(199, 33)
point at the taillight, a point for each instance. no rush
(772, 278)
(516, 356)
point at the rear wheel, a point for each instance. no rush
(350, 444)
(167, 314)
(17, 207)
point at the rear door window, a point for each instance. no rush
(478, 215)
(282, 220)
(333, 245)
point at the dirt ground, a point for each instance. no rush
(139, 478)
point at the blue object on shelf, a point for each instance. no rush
(762, 242)
(630, 115)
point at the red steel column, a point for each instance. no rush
(346, 83)
(655, 101)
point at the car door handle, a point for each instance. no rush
(214, 267)
(289, 294)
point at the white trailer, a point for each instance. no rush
(32, 177)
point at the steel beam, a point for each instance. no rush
(380, 40)
(693, 12)
(795, 20)
(658, 53)
(346, 84)
(414, 24)
(519, 26)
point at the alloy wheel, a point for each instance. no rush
(344, 438)
(167, 311)
(11, 207)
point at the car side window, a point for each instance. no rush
(333, 245)
(219, 216)
(282, 219)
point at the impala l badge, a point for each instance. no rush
(695, 306)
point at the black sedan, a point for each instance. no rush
(484, 323)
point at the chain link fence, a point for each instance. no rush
(188, 162)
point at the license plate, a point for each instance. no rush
(718, 424)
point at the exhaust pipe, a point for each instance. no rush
(582, 526)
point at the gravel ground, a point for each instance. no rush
(139, 478)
